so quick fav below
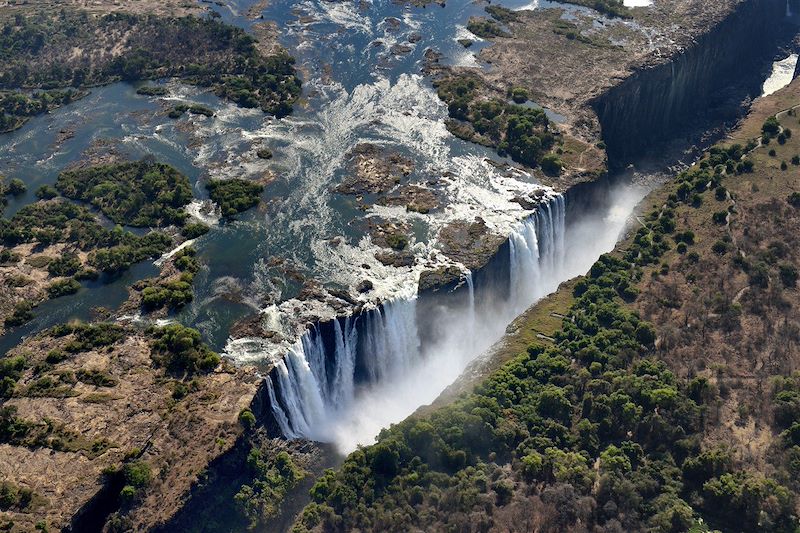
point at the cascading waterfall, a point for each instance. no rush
(537, 252)
(315, 390)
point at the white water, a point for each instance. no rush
(782, 75)
(327, 404)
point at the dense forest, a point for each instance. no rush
(142, 193)
(234, 195)
(522, 132)
(16, 107)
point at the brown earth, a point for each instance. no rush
(27, 278)
(136, 417)
(374, 169)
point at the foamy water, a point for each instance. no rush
(782, 75)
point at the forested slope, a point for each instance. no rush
(665, 402)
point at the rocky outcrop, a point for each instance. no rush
(658, 103)
(373, 169)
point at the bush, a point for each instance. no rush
(63, 287)
(520, 95)
(551, 165)
(46, 192)
(16, 187)
(788, 275)
(234, 195)
(194, 230)
(67, 264)
(397, 241)
(181, 349)
(247, 418)
(88, 336)
(22, 314)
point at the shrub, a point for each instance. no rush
(67, 264)
(788, 275)
(63, 287)
(181, 349)
(194, 230)
(551, 165)
(17, 187)
(520, 95)
(247, 418)
(234, 195)
(22, 314)
(46, 192)
(397, 241)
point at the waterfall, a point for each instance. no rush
(317, 385)
(345, 357)
(471, 303)
(537, 253)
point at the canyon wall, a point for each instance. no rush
(658, 103)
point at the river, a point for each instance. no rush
(361, 64)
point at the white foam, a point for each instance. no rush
(781, 76)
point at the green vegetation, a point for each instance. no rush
(22, 314)
(174, 293)
(37, 52)
(502, 14)
(63, 288)
(15, 187)
(247, 418)
(195, 109)
(272, 477)
(49, 222)
(16, 107)
(10, 372)
(194, 230)
(86, 337)
(264, 153)
(17, 431)
(46, 192)
(520, 95)
(68, 264)
(234, 195)
(137, 476)
(486, 29)
(152, 90)
(523, 133)
(397, 241)
(612, 8)
(143, 193)
(14, 497)
(588, 432)
(181, 349)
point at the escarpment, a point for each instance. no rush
(659, 102)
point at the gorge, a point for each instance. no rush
(392, 235)
(347, 378)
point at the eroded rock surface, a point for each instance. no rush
(374, 169)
